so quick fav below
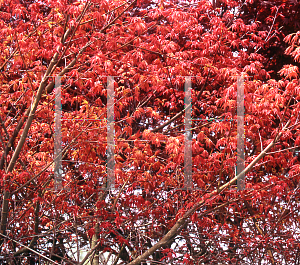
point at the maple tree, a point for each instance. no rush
(149, 47)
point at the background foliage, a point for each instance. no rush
(149, 47)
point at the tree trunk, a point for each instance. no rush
(95, 237)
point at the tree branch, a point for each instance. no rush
(260, 231)
(32, 250)
(175, 230)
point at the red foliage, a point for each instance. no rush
(150, 47)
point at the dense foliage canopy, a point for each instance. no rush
(149, 47)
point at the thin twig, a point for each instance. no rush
(30, 249)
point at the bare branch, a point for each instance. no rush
(30, 249)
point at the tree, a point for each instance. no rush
(149, 47)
